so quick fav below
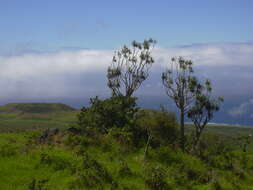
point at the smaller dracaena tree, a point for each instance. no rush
(203, 109)
(130, 67)
(181, 86)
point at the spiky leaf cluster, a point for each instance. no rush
(180, 84)
(130, 67)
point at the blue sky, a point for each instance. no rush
(53, 24)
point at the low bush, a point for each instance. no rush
(38, 184)
(124, 137)
(76, 140)
(166, 155)
(155, 178)
(7, 150)
(57, 162)
(161, 125)
(102, 115)
(124, 170)
(194, 169)
(90, 174)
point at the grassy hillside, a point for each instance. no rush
(33, 116)
(113, 161)
(226, 130)
(35, 108)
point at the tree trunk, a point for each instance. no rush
(147, 146)
(182, 141)
(196, 140)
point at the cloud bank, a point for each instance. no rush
(242, 109)
(80, 73)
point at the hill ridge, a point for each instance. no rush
(35, 107)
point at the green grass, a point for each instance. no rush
(23, 162)
(22, 117)
(226, 130)
(35, 107)
(182, 171)
(22, 122)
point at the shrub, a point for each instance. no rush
(7, 150)
(58, 162)
(155, 178)
(38, 184)
(76, 140)
(212, 145)
(106, 143)
(124, 170)
(32, 138)
(222, 183)
(246, 160)
(166, 155)
(194, 169)
(124, 137)
(90, 174)
(161, 125)
(104, 114)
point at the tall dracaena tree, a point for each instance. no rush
(130, 67)
(181, 86)
(203, 109)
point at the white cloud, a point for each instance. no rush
(27, 65)
(82, 72)
(242, 109)
(211, 54)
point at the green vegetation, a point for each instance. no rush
(113, 144)
(130, 67)
(36, 116)
(116, 159)
(107, 162)
(192, 97)
(35, 108)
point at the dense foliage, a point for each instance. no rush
(114, 112)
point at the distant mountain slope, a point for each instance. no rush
(35, 108)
